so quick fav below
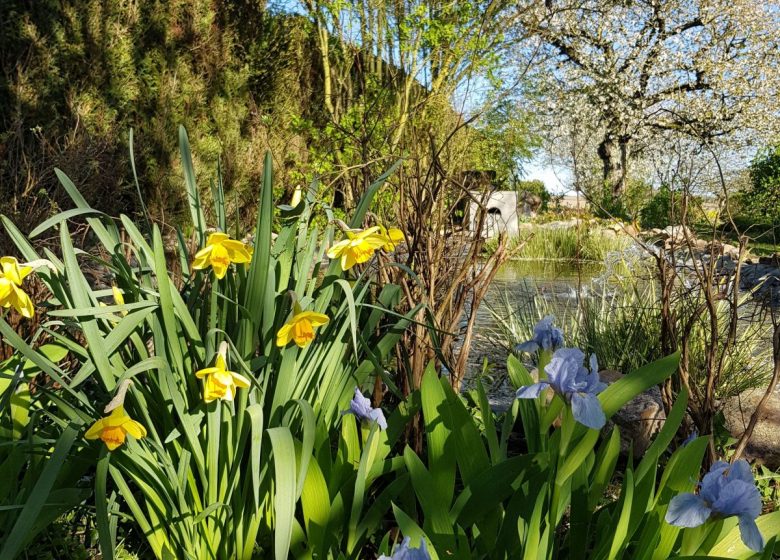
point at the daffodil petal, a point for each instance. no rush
(119, 299)
(201, 260)
(22, 302)
(237, 251)
(347, 261)
(240, 380)
(220, 269)
(94, 430)
(284, 335)
(206, 371)
(217, 238)
(336, 250)
(316, 319)
(134, 428)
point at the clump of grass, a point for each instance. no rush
(564, 243)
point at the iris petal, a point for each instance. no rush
(738, 498)
(587, 410)
(687, 510)
(750, 534)
(532, 391)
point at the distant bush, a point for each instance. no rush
(665, 209)
(759, 199)
(627, 207)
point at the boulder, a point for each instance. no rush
(677, 233)
(630, 230)
(730, 251)
(764, 444)
(639, 419)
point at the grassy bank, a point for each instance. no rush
(564, 243)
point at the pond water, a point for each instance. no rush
(522, 291)
(518, 283)
(525, 291)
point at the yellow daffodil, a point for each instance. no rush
(11, 295)
(300, 328)
(219, 252)
(393, 236)
(220, 383)
(114, 428)
(358, 247)
(119, 299)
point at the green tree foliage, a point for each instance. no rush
(759, 200)
(665, 208)
(78, 74)
(503, 142)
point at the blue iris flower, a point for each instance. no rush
(546, 337)
(360, 406)
(403, 552)
(724, 491)
(568, 377)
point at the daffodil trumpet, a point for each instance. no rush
(218, 381)
(300, 327)
(219, 252)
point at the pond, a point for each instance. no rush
(525, 291)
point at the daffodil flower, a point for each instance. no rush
(119, 299)
(220, 383)
(113, 429)
(300, 328)
(11, 295)
(393, 236)
(358, 247)
(219, 252)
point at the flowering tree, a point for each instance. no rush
(627, 70)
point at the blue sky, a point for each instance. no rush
(557, 180)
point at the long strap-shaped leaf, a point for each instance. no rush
(40, 492)
(284, 500)
(193, 197)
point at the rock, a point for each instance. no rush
(639, 419)
(764, 444)
(678, 233)
(630, 230)
(730, 251)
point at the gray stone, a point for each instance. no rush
(639, 419)
(678, 233)
(764, 444)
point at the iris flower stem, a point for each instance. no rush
(567, 429)
(544, 358)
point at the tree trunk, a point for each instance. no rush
(613, 152)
